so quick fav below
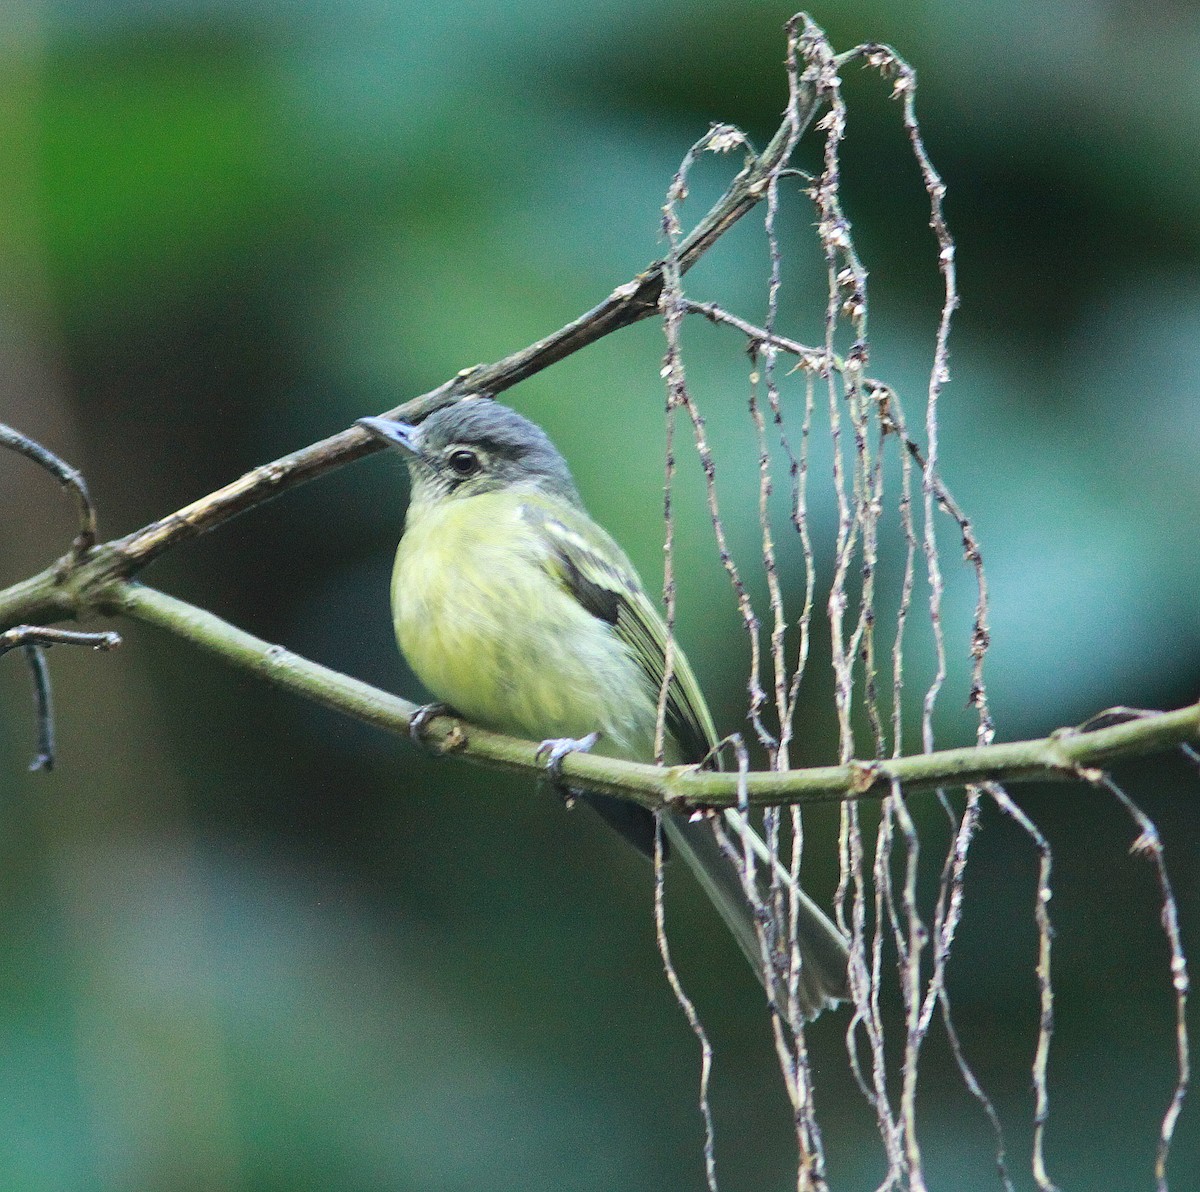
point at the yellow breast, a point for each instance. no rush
(490, 631)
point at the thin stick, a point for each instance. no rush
(1041, 914)
(33, 640)
(43, 707)
(688, 1008)
(45, 635)
(678, 396)
(1148, 844)
(66, 475)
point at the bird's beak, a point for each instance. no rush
(404, 435)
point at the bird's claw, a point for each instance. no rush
(420, 721)
(555, 750)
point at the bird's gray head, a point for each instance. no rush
(473, 447)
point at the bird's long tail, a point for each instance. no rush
(824, 954)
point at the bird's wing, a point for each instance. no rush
(607, 586)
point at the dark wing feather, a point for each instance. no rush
(607, 586)
(688, 719)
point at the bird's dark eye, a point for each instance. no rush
(464, 463)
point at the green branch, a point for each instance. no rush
(1069, 754)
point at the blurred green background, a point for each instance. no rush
(249, 945)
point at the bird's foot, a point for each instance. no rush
(555, 750)
(420, 721)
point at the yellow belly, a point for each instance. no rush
(492, 633)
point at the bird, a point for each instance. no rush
(520, 613)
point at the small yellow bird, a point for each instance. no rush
(518, 611)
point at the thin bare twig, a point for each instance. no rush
(43, 707)
(46, 635)
(1041, 914)
(1148, 844)
(33, 640)
(66, 475)
(688, 1007)
(679, 397)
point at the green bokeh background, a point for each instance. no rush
(248, 945)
